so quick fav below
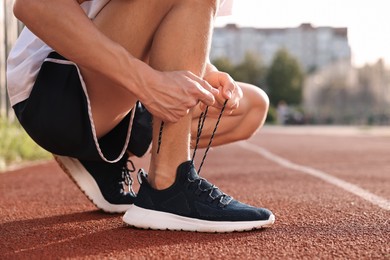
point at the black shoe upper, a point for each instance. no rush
(195, 197)
(111, 177)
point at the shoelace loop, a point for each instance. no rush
(126, 176)
(213, 191)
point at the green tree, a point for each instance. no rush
(250, 70)
(285, 79)
(223, 64)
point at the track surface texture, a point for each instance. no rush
(329, 188)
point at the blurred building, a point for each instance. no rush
(314, 47)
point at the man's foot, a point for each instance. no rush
(193, 204)
(103, 183)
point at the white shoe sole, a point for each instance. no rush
(87, 184)
(150, 219)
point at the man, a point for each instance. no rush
(75, 77)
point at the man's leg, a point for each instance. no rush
(132, 24)
(181, 43)
(162, 33)
(173, 195)
(140, 26)
(174, 35)
(240, 125)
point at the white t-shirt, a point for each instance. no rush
(29, 52)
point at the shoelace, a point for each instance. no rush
(213, 191)
(126, 176)
(202, 119)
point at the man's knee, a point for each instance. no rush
(255, 97)
(261, 99)
(257, 104)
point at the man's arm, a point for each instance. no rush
(79, 40)
(63, 25)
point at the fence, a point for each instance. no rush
(9, 31)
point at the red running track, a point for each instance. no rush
(328, 187)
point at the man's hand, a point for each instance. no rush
(170, 95)
(228, 89)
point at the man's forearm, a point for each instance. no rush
(64, 26)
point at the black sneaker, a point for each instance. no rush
(103, 183)
(193, 204)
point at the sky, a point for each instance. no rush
(368, 21)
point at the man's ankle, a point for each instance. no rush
(161, 180)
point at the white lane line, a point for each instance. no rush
(366, 195)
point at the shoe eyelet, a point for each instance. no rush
(211, 196)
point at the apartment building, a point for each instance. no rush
(314, 47)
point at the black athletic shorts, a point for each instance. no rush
(58, 117)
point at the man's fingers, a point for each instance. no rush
(207, 93)
(229, 88)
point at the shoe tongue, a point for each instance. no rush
(187, 170)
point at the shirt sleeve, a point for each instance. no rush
(225, 8)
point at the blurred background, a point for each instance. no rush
(323, 62)
(16, 147)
